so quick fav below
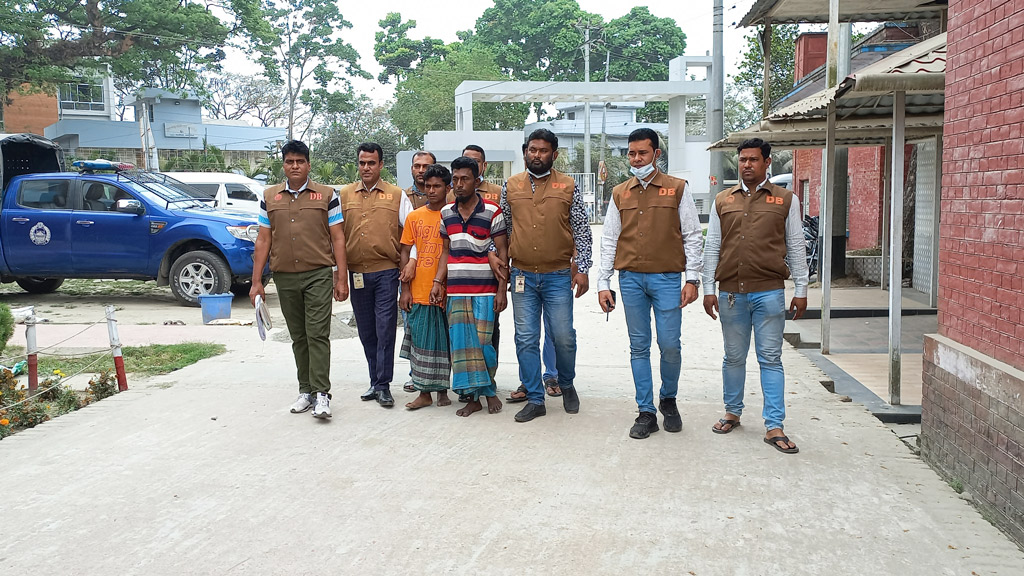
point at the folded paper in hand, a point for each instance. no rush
(263, 322)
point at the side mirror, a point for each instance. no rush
(130, 206)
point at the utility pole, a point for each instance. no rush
(586, 28)
(604, 126)
(717, 104)
(586, 105)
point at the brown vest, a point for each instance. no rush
(490, 192)
(753, 252)
(418, 200)
(651, 239)
(372, 232)
(299, 236)
(541, 236)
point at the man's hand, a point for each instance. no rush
(257, 290)
(405, 300)
(798, 306)
(500, 301)
(498, 268)
(689, 295)
(437, 294)
(604, 298)
(581, 283)
(711, 305)
(340, 287)
(409, 272)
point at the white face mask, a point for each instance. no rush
(643, 171)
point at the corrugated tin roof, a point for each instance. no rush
(816, 11)
(864, 103)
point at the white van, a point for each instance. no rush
(232, 191)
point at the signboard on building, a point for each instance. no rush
(180, 130)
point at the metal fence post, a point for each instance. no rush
(115, 347)
(32, 350)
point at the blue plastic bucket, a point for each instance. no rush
(215, 306)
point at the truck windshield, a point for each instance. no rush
(167, 189)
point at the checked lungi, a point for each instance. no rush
(425, 345)
(474, 360)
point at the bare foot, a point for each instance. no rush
(421, 401)
(469, 408)
(727, 427)
(493, 405)
(443, 400)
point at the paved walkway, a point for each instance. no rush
(204, 471)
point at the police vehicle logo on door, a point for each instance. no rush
(39, 234)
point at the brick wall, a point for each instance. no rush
(29, 113)
(972, 428)
(981, 256)
(866, 171)
(972, 411)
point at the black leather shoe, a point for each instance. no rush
(530, 412)
(370, 394)
(673, 421)
(646, 424)
(384, 398)
(570, 400)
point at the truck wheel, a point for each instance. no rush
(40, 285)
(199, 272)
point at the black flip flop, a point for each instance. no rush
(774, 442)
(548, 387)
(733, 424)
(514, 400)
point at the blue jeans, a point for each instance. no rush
(548, 294)
(765, 313)
(547, 352)
(641, 292)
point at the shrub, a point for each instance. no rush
(102, 386)
(6, 325)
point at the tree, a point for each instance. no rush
(641, 45)
(398, 53)
(237, 96)
(425, 100)
(534, 39)
(307, 48)
(783, 65)
(165, 43)
(364, 122)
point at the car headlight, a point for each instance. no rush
(249, 232)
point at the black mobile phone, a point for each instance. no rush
(612, 306)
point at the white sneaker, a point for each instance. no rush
(323, 406)
(302, 404)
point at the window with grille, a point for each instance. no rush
(82, 96)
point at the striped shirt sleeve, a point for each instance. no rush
(263, 220)
(333, 211)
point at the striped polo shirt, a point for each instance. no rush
(469, 273)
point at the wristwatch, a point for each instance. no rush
(696, 283)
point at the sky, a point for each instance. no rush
(437, 21)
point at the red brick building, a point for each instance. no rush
(866, 165)
(973, 405)
(30, 112)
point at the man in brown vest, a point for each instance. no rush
(420, 162)
(301, 231)
(652, 236)
(754, 242)
(547, 220)
(375, 212)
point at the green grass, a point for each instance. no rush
(143, 360)
(87, 287)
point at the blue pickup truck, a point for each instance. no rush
(121, 223)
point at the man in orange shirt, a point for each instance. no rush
(426, 331)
